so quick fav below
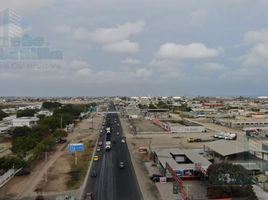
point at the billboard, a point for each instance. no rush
(76, 147)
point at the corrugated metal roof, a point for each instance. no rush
(226, 148)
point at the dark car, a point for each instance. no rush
(93, 174)
(23, 172)
(155, 176)
(121, 165)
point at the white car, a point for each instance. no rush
(117, 133)
(123, 141)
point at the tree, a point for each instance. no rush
(51, 105)
(152, 106)
(228, 180)
(21, 145)
(8, 162)
(162, 105)
(26, 113)
(2, 115)
(21, 131)
(59, 134)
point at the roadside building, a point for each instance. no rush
(186, 163)
(24, 121)
(242, 123)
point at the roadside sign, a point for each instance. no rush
(76, 147)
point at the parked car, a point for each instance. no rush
(153, 176)
(23, 172)
(98, 149)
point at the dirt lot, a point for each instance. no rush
(143, 125)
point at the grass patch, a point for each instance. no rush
(78, 172)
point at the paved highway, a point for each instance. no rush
(113, 183)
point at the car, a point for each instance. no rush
(156, 179)
(114, 142)
(89, 196)
(93, 174)
(98, 149)
(23, 172)
(153, 176)
(121, 165)
(123, 141)
(100, 143)
(117, 133)
(96, 158)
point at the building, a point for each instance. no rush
(242, 123)
(10, 23)
(186, 163)
(24, 121)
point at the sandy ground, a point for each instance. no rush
(146, 126)
(57, 166)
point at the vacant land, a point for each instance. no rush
(143, 125)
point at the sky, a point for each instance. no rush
(144, 48)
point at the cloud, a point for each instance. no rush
(181, 52)
(212, 67)
(122, 47)
(84, 72)
(26, 6)
(118, 33)
(62, 29)
(198, 18)
(143, 73)
(259, 36)
(130, 61)
(82, 34)
(257, 56)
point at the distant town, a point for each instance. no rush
(165, 147)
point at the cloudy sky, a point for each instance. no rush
(145, 47)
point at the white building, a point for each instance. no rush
(24, 121)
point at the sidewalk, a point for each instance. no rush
(260, 193)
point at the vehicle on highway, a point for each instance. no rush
(100, 143)
(98, 149)
(118, 125)
(123, 141)
(96, 158)
(108, 145)
(65, 198)
(89, 196)
(117, 133)
(121, 165)
(93, 174)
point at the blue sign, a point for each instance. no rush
(78, 147)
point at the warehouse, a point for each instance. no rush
(186, 163)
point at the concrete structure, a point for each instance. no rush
(186, 163)
(242, 123)
(24, 121)
(156, 113)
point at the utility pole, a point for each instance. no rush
(61, 121)
(45, 164)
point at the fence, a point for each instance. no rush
(8, 176)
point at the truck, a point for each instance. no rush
(108, 145)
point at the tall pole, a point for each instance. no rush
(46, 169)
(61, 121)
